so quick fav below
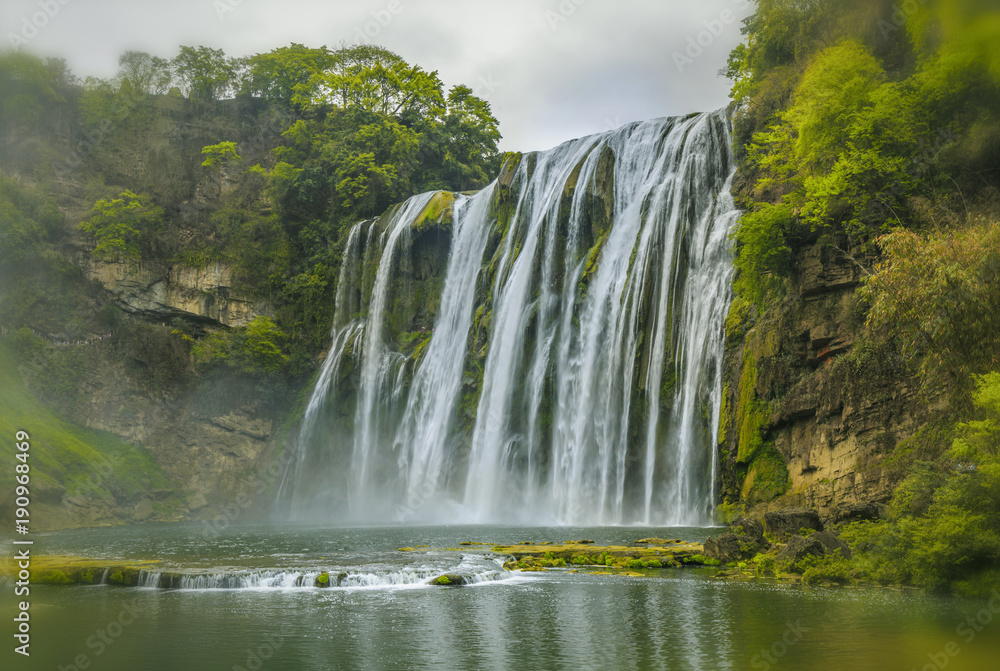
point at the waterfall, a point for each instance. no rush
(571, 373)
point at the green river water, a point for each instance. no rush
(244, 609)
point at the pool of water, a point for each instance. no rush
(386, 617)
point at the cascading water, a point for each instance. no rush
(572, 375)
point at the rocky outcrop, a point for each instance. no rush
(800, 547)
(862, 511)
(744, 541)
(811, 408)
(784, 523)
(832, 543)
(160, 292)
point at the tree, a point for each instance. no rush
(221, 154)
(145, 74)
(255, 349)
(123, 227)
(460, 151)
(288, 75)
(206, 74)
(28, 85)
(373, 166)
(377, 80)
(939, 295)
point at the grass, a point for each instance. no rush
(82, 460)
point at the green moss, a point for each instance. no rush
(736, 321)
(767, 477)
(725, 415)
(751, 412)
(593, 256)
(440, 211)
(702, 559)
(51, 577)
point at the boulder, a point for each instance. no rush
(751, 528)
(860, 512)
(449, 580)
(800, 547)
(143, 510)
(832, 543)
(784, 523)
(724, 548)
(731, 547)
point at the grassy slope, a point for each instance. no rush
(85, 462)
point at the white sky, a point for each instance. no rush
(552, 69)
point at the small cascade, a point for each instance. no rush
(149, 579)
(571, 371)
(272, 579)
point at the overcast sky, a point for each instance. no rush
(552, 69)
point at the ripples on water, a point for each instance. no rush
(670, 619)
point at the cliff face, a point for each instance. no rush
(811, 408)
(161, 292)
(183, 444)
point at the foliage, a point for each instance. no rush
(221, 154)
(256, 349)
(287, 75)
(945, 531)
(376, 80)
(28, 85)
(764, 257)
(848, 117)
(979, 440)
(144, 74)
(938, 293)
(27, 220)
(362, 130)
(831, 567)
(205, 74)
(915, 494)
(123, 227)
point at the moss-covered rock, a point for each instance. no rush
(449, 580)
(537, 556)
(439, 212)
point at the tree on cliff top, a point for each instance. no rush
(123, 227)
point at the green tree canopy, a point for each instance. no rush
(123, 227)
(145, 74)
(288, 75)
(377, 80)
(206, 74)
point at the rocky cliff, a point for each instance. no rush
(812, 409)
(156, 439)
